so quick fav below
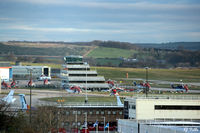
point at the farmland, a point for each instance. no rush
(105, 52)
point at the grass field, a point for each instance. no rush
(81, 99)
(110, 53)
(187, 75)
(108, 61)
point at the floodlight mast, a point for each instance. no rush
(86, 97)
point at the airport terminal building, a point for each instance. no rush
(162, 108)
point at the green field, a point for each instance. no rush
(81, 99)
(108, 61)
(186, 75)
(104, 52)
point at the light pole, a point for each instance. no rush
(146, 91)
(30, 70)
(76, 121)
(85, 122)
(86, 98)
(104, 121)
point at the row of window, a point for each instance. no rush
(94, 112)
(176, 107)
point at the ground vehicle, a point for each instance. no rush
(43, 77)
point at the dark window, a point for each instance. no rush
(176, 107)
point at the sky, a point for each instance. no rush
(136, 21)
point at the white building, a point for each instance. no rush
(160, 108)
(134, 126)
(6, 73)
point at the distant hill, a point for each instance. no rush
(172, 45)
(50, 49)
(106, 53)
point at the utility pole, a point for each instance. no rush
(104, 123)
(30, 86)
(146, 92)
(86, 128)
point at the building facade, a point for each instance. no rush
(160, 108)
(151, 126)
(76, 116)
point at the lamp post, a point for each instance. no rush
(76, 121)
(30, 86)
(86, 98)
(86, 122)
(104, 122)
(146, 91)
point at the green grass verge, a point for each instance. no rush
(81, 99)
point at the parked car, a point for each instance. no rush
(43, 77)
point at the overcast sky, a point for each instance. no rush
(86, 20)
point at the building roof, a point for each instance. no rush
(5, 67)
(29, 67)
(165, 97)
(81, 72)
(76, 66)
(90, 85)
(89, 78)
(74, 56)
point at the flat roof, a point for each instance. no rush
(76, 56)
(5, 67)
(165, 97)
(82, 72)
(91, 85)
(89, 78)
(29, 66)
(76, 66)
